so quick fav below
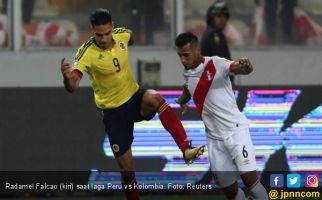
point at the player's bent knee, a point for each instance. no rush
(153, 99)
(156, 98)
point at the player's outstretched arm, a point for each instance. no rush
(243, 66)
(71, 80)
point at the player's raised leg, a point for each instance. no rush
(153, 102)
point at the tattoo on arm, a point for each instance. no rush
(185, 97)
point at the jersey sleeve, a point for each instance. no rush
(123, 33)
(223, 65)
(81, 61)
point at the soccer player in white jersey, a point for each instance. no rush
(230, 149)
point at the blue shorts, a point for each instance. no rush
(119, 123)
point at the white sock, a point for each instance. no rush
(240, 195)
(258, 191)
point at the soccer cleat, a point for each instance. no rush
(191, 153)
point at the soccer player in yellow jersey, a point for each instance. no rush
(104, 58)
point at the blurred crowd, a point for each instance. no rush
(257, 22)
(268, 22)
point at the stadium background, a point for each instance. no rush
(43, 128)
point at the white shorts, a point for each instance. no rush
(232, 156)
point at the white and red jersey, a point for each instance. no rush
(211, 89)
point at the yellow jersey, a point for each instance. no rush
(109, 70)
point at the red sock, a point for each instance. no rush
(172, 124)
(131, 191)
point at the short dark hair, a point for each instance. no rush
(185, 38)
(100, 16)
